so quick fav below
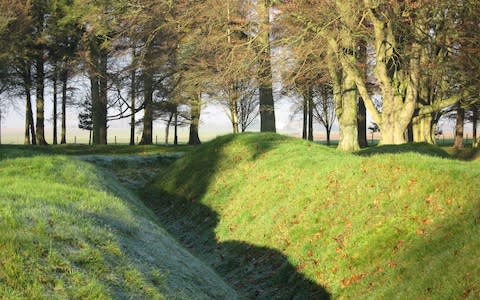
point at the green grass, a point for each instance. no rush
(420, 148)
(71, 231)
(467, 154)
(279, 217)
(7, 151)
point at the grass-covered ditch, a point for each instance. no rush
(71, 231)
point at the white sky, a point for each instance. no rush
(214, 122)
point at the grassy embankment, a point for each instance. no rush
(280, 218)
(71, 231)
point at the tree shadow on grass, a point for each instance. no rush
(18, 151)
(420, 148)
(256, 272)
(467, 154)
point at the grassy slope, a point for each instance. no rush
(279, 218)
(70, 231)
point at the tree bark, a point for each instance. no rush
(344, 95)
(310, 114)
(233, 107)
(96, 115)
(64, 79)
(133, 96)
(167, 127)
(362, 124)
(195, 108)
(423, 129)
(40, 100)
(474, 127)
(410, 138)
(305, 118)
(175, 127)
(459, 126)
(28, 112)
(399, 87)
(347, 117)
(103, 81)
(147, 135)
(98, 80)
(54, 82)
(267, 109)
(29, 124)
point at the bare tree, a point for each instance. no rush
(324, 108)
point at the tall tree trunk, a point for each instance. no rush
(398, 86)
(54, 82)
(28, 112)
(459, 126)
(310, 113)
(29, 125)
(147, 135)
(98, 80)
(344, 94)
(362, 124)
(133, 96)
(235, 127)
(410, 134)
(233, 106)
(195, 109)
(103, 81)
(40, 101)
(474, 127)
(423, 129)
(175, 127)
(362, 109)
(267, 109)
(64, 79)
(96, 115)
(347, 117)
(305, 117)
(328, 130)
(167, 127)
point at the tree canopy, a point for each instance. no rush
(407, 61)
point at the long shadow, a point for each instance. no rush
(467, 154)
(420, 148)
(20, 151)
(255, 272)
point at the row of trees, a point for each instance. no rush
(405, 62)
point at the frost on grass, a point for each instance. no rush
(134, 171)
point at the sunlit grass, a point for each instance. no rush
(384, 226)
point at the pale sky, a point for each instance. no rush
(214, 122)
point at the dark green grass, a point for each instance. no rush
(467, 154)
(420, 148)
(7, 151)
(282, 218)
(71, 231)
